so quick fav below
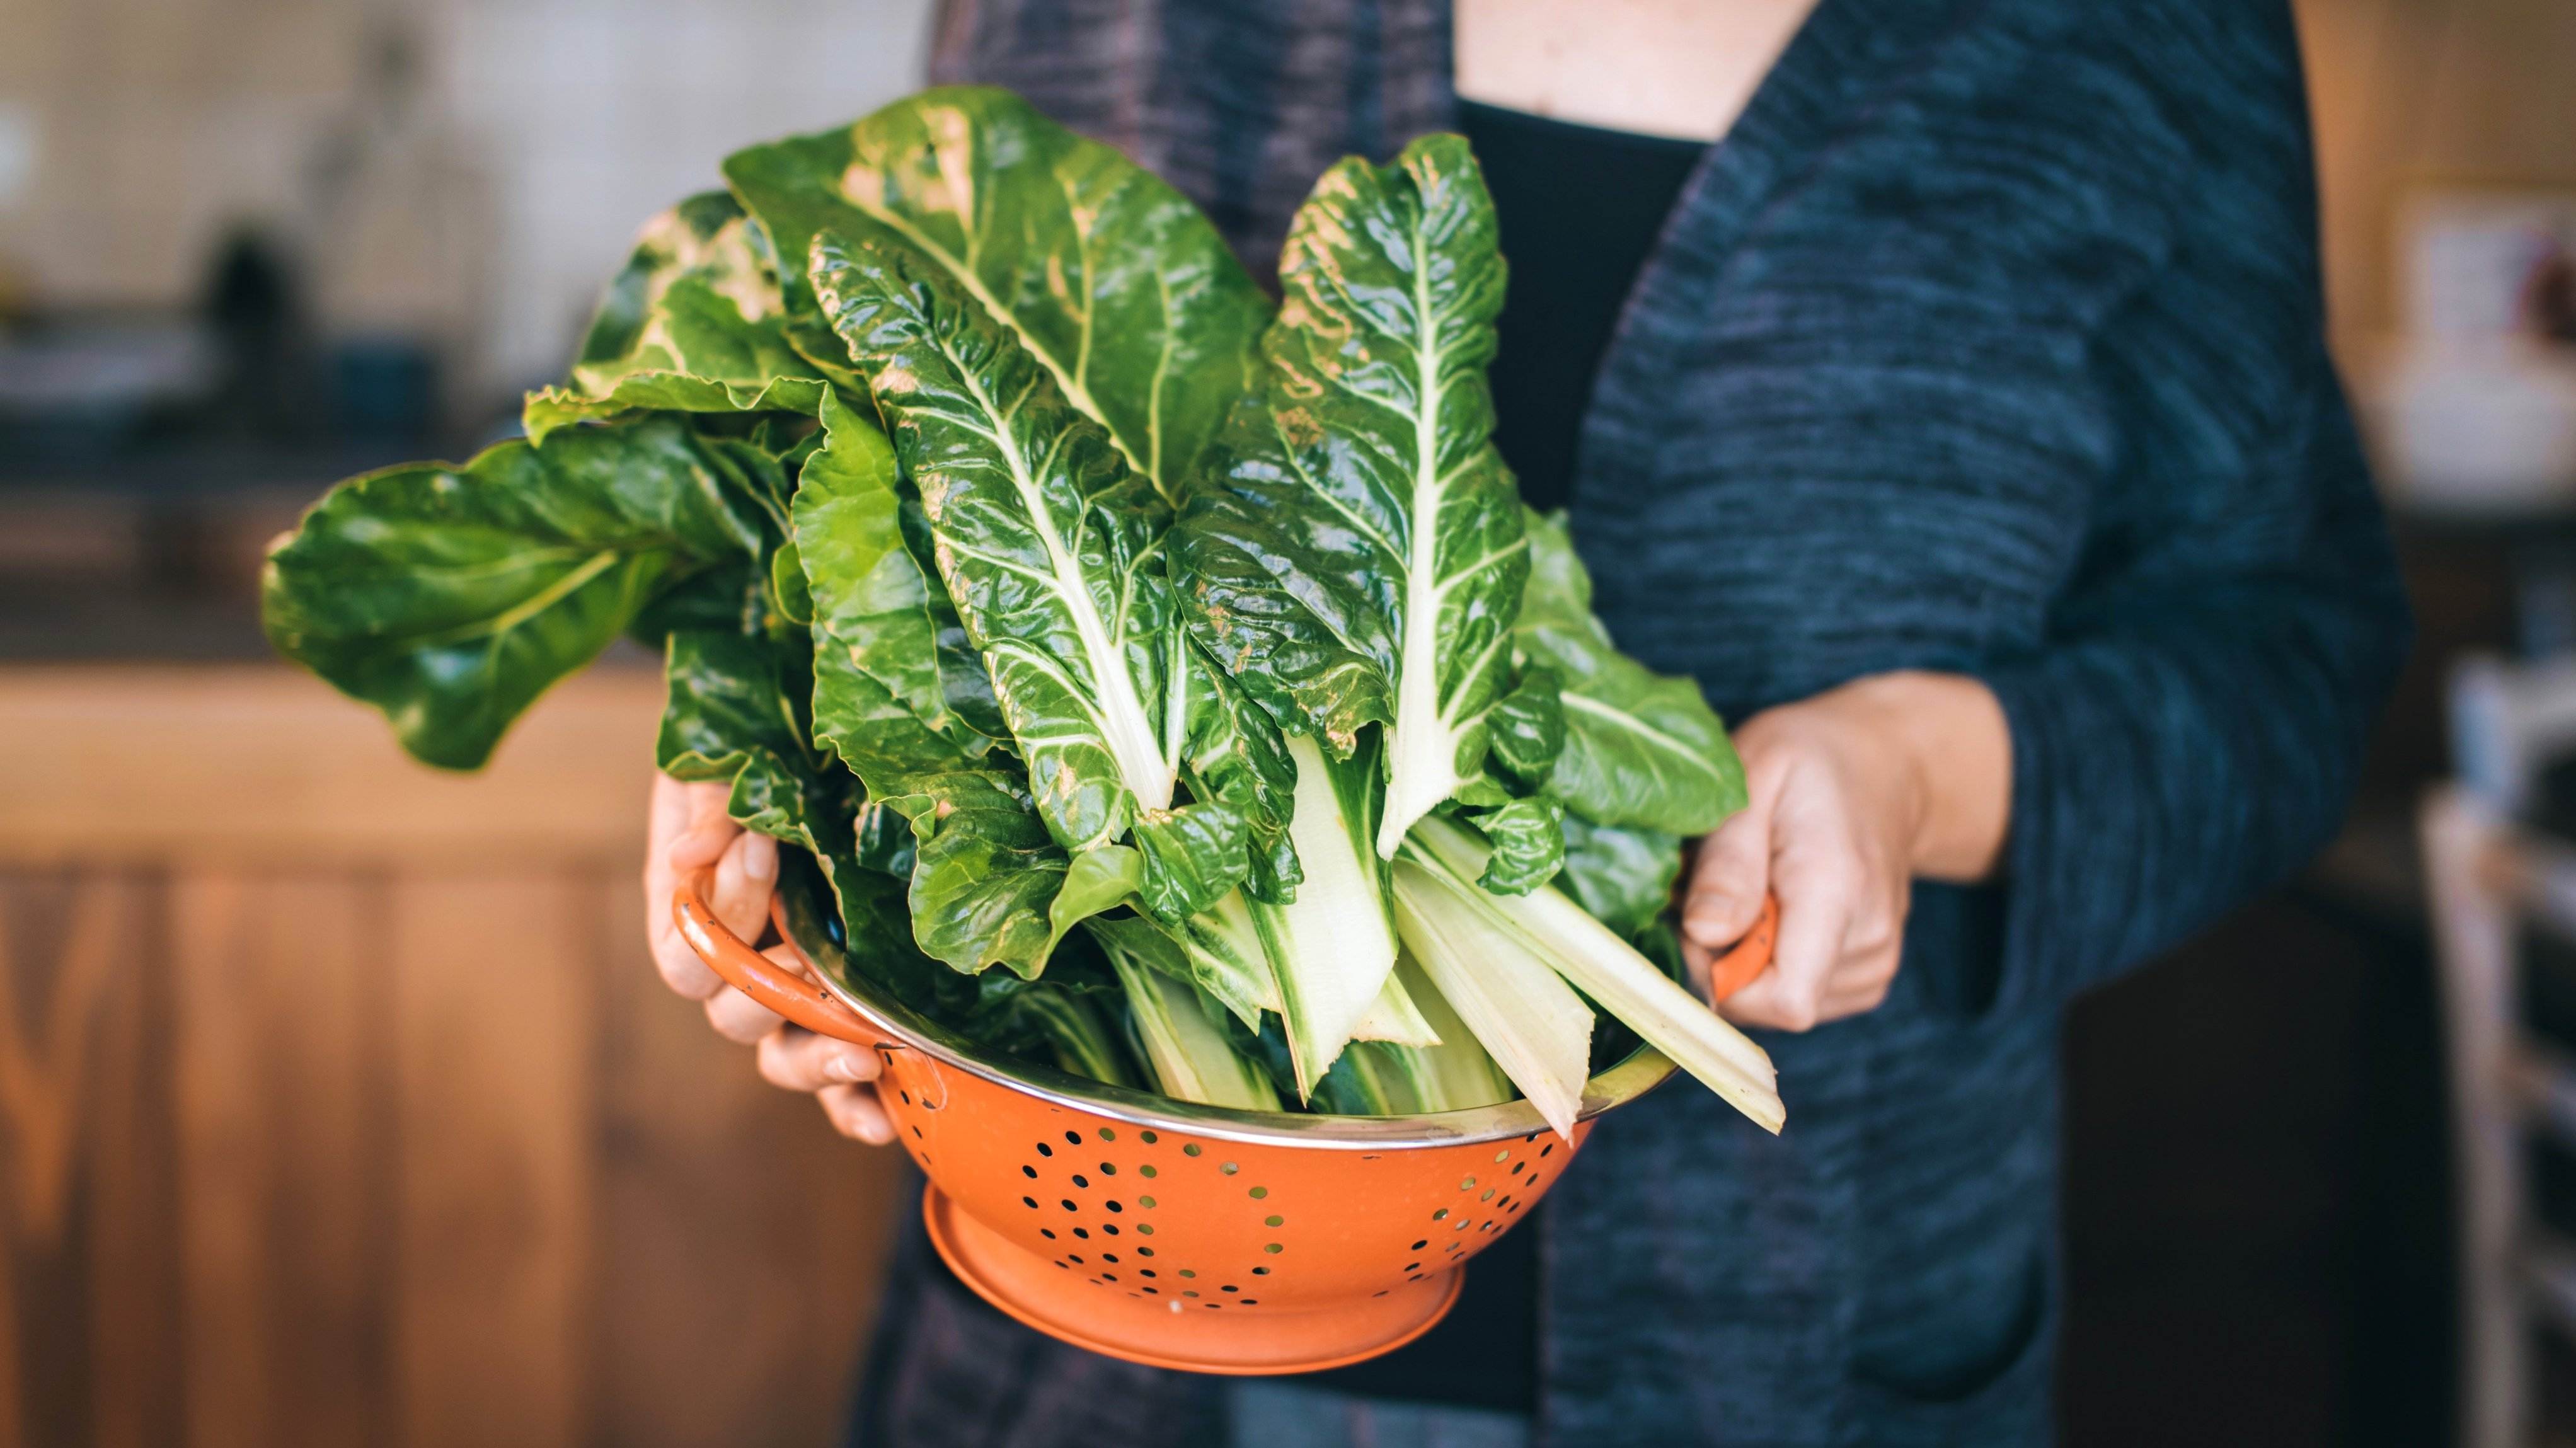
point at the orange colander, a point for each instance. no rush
(1164, 1232)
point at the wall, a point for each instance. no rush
(469, 168)
(2410, 92)
(554, 127)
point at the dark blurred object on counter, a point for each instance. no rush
(385, 391)
(76, 390)
(254, 307)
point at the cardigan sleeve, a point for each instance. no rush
(2190, 731)
(2190, 738)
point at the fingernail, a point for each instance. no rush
(760, 858)
(844, 1067)
(1705, 921)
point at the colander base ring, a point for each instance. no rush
(1255, 1342)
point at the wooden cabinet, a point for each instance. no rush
(339, 1102)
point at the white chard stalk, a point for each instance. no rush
(1535, 1028)
(1331, 951)
(1191, 1059)
(1610, 971)
(1455, 1075)
(1396, 1016)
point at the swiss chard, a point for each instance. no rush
(1052, 549)
(1118, 287)
(451, 597)
(695, 323)
(1176, 660)
(1358, 555)
(1640, 748)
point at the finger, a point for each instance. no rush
(740, 1019)
(796, 1059)
(670, 812)
(1860, 984)
(673, 959)
(1769, 1002)
(709, 828)
(679, 965)
(1695, 967)
(1729, 879)
(856, 1113)
(1789, 995)
(667, 819)
(744, 875)
(674, 811)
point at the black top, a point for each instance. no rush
(1579, 209)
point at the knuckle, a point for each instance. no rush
(848, 1115)
(780, 1074)
(1797, 1010)
(688, 979)
(1873, 931)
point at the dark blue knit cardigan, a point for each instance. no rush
(1990, 340)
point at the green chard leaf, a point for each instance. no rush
(882, 839)
(731, 597)
(1117, 285)
(1527, 725)
(985, 876)
(695, 323)
(988, 883)
(1236, 754)
(451, 597)
(1640, 748)
(1056, 1021)
(1052, 550)
(734, 712)
(984, 873)
(1528, 839)
(1622, 875)
(1356, 550)
(873, 601)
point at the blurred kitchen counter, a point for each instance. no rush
(154, 551)
(341, 1104)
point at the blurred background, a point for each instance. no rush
(339, 1104)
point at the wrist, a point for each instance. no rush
(1952, 751)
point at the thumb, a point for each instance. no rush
(1729, 879)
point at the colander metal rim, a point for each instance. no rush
(1641, 1071)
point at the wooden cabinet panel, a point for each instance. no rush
(88, 1261)
(703, 1168)
(490, 978)
(285, 1163)
(340, 1104)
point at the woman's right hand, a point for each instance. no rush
(691, 831)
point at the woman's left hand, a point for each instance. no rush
(1852, 794)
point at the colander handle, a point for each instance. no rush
(759, 977)
(1746, 958)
